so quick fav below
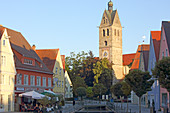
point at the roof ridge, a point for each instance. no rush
(46, 49)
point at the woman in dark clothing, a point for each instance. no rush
(36, 108)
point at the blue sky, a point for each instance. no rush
(71, 25)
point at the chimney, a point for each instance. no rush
(33, 47)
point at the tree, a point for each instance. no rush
(106, 78)
(99, 89)
(103, 66)
(79, 82)
(81, 91)
(73, 64)
(116, 90)
(139, 82)
(126, 91)
(162, 72)
(89, 92)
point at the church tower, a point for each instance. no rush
(110, 39)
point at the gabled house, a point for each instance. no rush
(127, 62)
(52, 59)
(32, 73)
(154, 94)
(7, 73)
(68, 83)
(164, 52)
(141, 63)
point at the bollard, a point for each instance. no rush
(130, 110)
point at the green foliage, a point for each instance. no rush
(126, 88)
(116, 89)
(162, 72)
(139, 82)
(89, 92)
(106, 78)
(46, 99)
(99, 89)
(81, 91)
(102, 67)
(79, 82)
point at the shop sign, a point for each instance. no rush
(20, 88)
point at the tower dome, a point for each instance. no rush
(110, 5)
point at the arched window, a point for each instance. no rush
(107, 32)
(103, 32)
(115, 32)
(105, 43)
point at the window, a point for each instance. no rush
(107, 32)
(2, 79)
(32, 80)
(106, 20)
(105, 43)
(4, 42)
(62, 83)
(60, 71)
(49, 82)
(56, 70)
(25, 79)
(44, 81)
(19, 78)
(163, 54)
(115, 32)
(38, 81)
(3, 60)
(166, 52)
(59, 83)
(103, 32)
(164, 99)
(27, 61)
(9, 80)
(2, 100)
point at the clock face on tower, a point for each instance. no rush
(105, 54)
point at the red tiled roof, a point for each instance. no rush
(128, 58)
(63, 61)
(1, 32)
(19, 44)
(48, 56)
(143, 47)
(97, 58)
(156, 37)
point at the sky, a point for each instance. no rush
(72, 25)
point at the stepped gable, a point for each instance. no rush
(20, 46)
(166, 26)
(156, 37)
(48, 56)
(128, 58)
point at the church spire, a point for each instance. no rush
(110, 6)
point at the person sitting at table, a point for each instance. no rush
(36, 109)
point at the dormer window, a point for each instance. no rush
(27, 61)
